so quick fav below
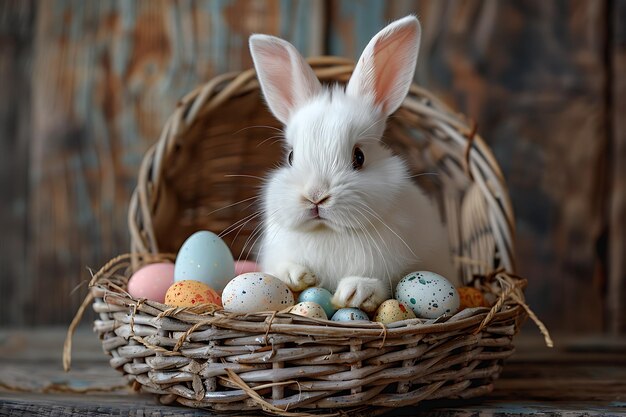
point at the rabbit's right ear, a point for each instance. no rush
(385, 70)
(286, 79)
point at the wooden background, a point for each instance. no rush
(87, 85)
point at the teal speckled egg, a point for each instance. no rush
(320, 296)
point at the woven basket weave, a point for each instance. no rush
(209, 157)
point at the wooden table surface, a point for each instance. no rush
(581, 376)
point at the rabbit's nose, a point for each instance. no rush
(322, 200)
(317, 196)
(317, 200)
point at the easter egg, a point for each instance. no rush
(471, 297)
(242, 267)
(320, 296)
(151, 281)
(256, 291)
(191, 293)
(309, 309)
(393, 310)
(205, 257)
(349, 314)
(428, 294)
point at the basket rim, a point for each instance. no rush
(109, 285)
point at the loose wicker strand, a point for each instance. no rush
(542, 327)
(512, 287)
(266, 406)
(108, 269)
(506, 294)
(67, 345)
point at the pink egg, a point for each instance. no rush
(243, 267)
(152, 281)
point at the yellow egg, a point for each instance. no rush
(471, 297)
(309, 309)
(393, 310)
(189, 293)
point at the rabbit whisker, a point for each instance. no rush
(377, 216)
(258, 127)
(233, 204)
(244, 176)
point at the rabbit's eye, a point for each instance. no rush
(358, 158)
(290, 158)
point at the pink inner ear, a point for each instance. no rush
(277, 70)
(390, 61)
(286, 79)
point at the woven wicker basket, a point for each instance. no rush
(210, 156)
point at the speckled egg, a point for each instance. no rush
(205, 257)
(471, 297)
(152, 281)
(309, 309)
(256, 291)
(392, 310)
(428, 294)
(191, 293)
(319, 296)
(349, 314)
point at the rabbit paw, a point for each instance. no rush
(297, 277)
(360, 292)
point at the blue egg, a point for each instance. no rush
(320, 296)
(205, 257)
(349, 314)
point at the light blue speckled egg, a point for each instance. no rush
(205, 257)
(320, 296)
(349, 314)
(428, 294)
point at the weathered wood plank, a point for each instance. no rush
(532, 74)
(17, 19)
(97, 405)
(106, 75)
(617, 156)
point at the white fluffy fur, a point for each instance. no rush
(377, 225)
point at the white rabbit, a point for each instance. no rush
(343, 212)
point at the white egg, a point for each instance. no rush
(428, 294)
(256, 291)
(205, 257)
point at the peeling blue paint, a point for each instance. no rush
(124, 48)
(219, 34)
(367, 16)
(301, 33)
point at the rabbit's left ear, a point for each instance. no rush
(386, 67)
(286, 79)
